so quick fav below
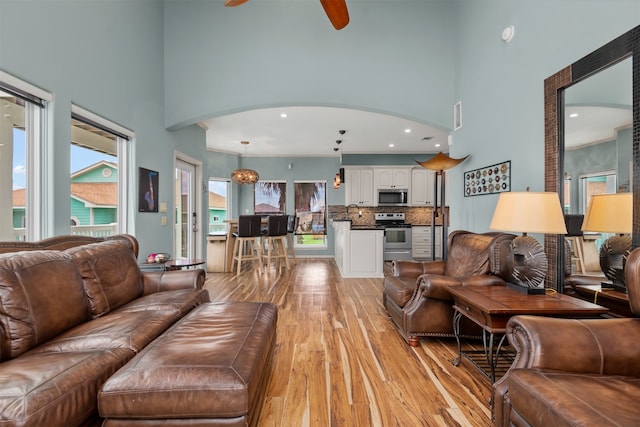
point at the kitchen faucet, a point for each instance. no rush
(357, 207)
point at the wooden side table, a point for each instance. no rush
(491, 307)
(616, 301)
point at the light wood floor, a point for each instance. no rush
(339, 360)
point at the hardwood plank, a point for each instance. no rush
(339, 360)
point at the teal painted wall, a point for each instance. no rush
(501, 85)
(40, 42)
(393, 57)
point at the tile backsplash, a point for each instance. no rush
(413, 215)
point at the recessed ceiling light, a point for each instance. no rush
(407, 130)
(392, 145)
(437, 145)
(574, 115)
(283, 115)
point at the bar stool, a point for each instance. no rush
(275, 240)
(292, 223)
(247, 244)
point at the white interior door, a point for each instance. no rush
(187, 223)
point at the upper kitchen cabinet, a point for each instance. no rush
(421, 192)
(359, 186)
(388, 178)
(422, 187)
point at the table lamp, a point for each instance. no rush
(528, 212)
(612, 213)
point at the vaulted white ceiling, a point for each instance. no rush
(313, 131)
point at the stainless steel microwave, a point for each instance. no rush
(393, 197)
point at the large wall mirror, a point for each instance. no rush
(592, 135)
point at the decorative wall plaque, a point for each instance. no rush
(487, 180)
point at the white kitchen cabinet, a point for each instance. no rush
(421, 193)
(358, 253)
(421, 241)
(421, 187)
(391, 178)
(359, 186)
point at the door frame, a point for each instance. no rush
(197, 190)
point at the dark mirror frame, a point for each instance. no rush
(625, 46)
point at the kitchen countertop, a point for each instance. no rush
(359, 226)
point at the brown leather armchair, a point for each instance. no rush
(416, 296)
(571, 372)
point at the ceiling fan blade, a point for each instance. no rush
(234, 3)
(337, 12)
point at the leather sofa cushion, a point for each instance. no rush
(55, 389)
(41, 296)
(180, 301)
(469, 255)
(130, 330)
(110, 273)
(552, 398)
(211, 364)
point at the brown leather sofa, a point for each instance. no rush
(571, 372)
(416, 296)
(71, 318)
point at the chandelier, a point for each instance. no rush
(245, 176)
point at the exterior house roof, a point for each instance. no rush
(19, 198)
(96, 194)
(217, 201)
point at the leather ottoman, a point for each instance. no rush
(210, 368)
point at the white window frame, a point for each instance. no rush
(126, 169)
(38, 171)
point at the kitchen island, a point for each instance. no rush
(358, 249)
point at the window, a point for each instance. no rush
(218, 205)
(597, 183)
(20, 163)
(310, 204)
(270, 197)
(99, 153)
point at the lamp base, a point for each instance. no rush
(525, 289)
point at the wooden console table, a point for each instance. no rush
(491, 307)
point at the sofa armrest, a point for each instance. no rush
(437, 287)
(158, 281)
(591, 346)
(588, 346)
(406, 268)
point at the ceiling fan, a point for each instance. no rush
(336, 10)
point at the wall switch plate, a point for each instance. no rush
(163, 220)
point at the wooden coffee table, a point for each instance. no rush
(491, 307)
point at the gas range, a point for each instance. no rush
(397, 236)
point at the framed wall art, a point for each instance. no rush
(488, 180)
(147, 190)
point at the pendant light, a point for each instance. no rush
(245, 176)
(337, 181)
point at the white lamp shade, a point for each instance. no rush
(609, 213)
(529, 212)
